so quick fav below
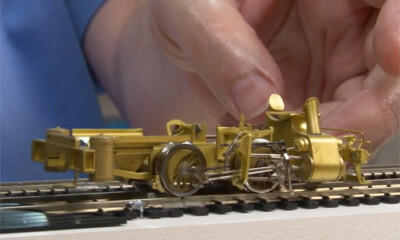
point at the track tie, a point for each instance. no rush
(127, 213)
(265, 206)
(155, 213)
(370, 200)
(197, 211)
(329, 203)
(390, 199)
(174, 213)
(220, 208)
(243, 207)
(350, 202)
(287, 205)
(308, 204)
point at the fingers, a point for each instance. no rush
(382, 45)
(375, 3)
(374, 109)
(212, 39)
(386, 38)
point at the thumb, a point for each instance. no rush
(212, 39)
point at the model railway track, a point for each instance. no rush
(75, 202)
(53, 187)
(64, 190)
(57, 196)
(115, 199)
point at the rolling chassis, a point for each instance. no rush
(289, 147)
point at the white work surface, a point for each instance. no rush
(362, 222)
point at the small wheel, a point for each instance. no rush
(180, 167)
(262, 182)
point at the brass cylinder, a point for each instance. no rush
(104, 151)
(310, 110)
(58, 131)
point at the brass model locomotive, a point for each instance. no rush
(289, 147)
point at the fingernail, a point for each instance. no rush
(250, 96)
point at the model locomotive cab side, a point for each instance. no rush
(289, 147)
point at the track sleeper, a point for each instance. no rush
(370, 201)
(156, 213)
(287, 205)
(390, 199)
(197, 211)
(220, 208)
(243, 207)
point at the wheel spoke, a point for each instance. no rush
(177, 175)
(261, 185)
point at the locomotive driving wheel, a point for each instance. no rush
(181, 169)
(266, 181)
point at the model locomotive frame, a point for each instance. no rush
(289, 147)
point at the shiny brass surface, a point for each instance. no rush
(59, 153)
(310, 110)
(276, 103)
(103, 147)
(322, 155)
(327, 165)
(81, 133)
(289, 146)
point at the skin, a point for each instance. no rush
(208, 61)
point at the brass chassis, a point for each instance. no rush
(289, 147)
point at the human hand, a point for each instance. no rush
(209, 61)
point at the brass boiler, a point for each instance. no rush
(318, 154)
